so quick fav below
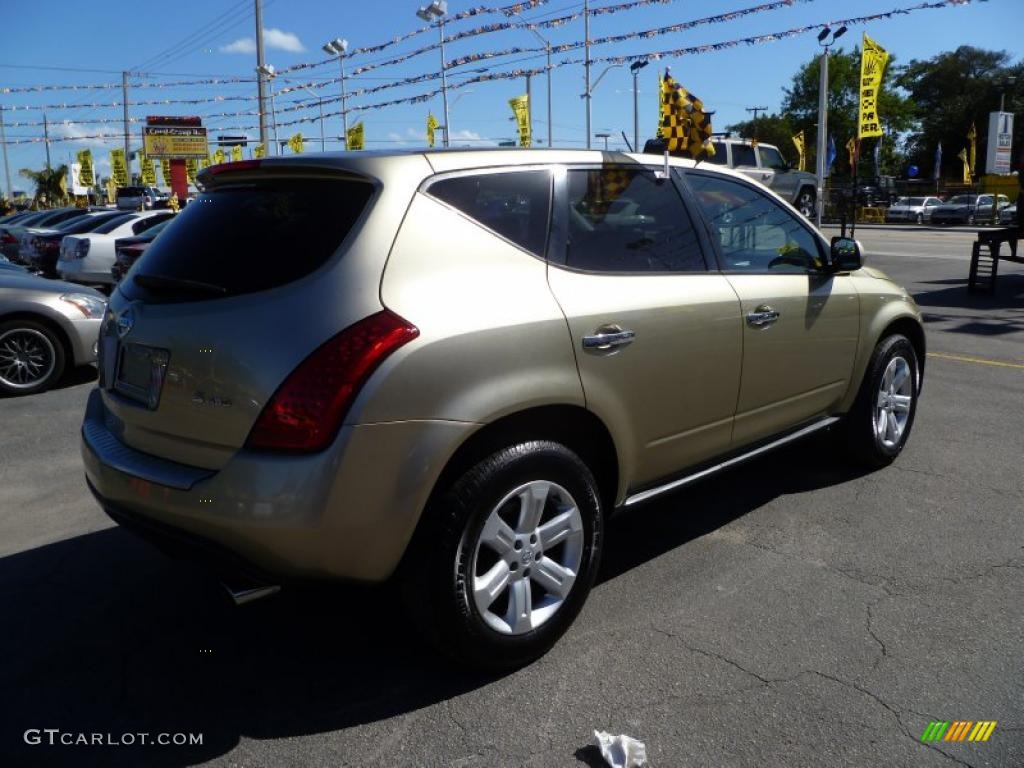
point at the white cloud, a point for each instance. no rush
(472, 138)
(75, 132)
(396, 138)
(272, 38)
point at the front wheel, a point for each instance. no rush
(920, 218)
(31, 357)
(970, 220)
(805, 203)
(507, 556)
(881, 419)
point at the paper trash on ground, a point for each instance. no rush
(621, 751)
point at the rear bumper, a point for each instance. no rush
(346, 513)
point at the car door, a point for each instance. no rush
(657, 334)
(800, 322)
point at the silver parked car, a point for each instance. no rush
(46, 326)
(1008, 215)
(913, 209)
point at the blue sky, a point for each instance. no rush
(189, 40)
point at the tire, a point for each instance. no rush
(449, 555)
(970, 220)
(31, 357)
(805, 203)
(881, 402)
(920, 218)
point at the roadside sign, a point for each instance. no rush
(174, 142)
(1000, 143)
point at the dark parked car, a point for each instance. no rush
(43, 248)
(47, 220)
(128, 250)
(969, 209)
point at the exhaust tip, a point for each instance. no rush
(242, 593)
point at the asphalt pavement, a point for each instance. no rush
(792, 612)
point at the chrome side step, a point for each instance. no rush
(248, 593)
(643, 496)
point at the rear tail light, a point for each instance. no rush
(306, 411)
(7, 238)
(81, 250)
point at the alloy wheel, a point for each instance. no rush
(527, 557)
(892, 406)
(27, 357)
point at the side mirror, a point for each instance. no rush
(846, 255)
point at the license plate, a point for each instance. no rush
(140, 373)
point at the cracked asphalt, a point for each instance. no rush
(792, 612)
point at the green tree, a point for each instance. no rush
(800, 106)
(51, 185)
(950, 91)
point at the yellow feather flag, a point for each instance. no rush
(972, 136)
(118, 167)
(432, 125)
(967, 166)
(521, 109)
(356, 137)
(873, 59)
(801, 148)
(685, 123)
(191, 166)
(295, 143)
(259, 151)
(85, 174)
(147, 171)
(165, 169)
(851, 150)
(236, 153)
(217, 157)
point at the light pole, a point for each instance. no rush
(590, 92)
(586, 64)
(437, 9)
(604, 136)
(320, 103)
(635, 68)
(337, 47)
(826, 39)
(268, 72)
(547, 69)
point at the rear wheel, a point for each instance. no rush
(805, 203)
(970, 220)
(507, 557)
(880, 421)
(920, 218)
(31, 357)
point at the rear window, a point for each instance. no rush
(743, 154)
(720, 157)
(109, 226)
(131, 192)
(913, 201)
(85, 223)
(250, 237)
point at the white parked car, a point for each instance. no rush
(915, 209)
(87, 258)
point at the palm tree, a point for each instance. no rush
(51, 185)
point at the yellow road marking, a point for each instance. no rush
(979, 360)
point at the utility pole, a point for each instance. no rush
(586, 61)
(261, 84)
(46, 140)
(124, 117)
(444, 84)
(635, 68)
(547, 46)
(819, 161)
(3, 140)
(529, 109)
(755, 110)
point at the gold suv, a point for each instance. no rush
(449, 367)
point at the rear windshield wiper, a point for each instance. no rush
(162, 282)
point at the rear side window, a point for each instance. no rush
(720, 157)
(130, 192)
(250, 237)
(515, 204)
(107, 227)
(148, 222)
(743, 154)
(627, 220)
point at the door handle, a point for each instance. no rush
(608, 337)
(761, 317)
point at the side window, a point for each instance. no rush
(755, 233)
(720, 157)
(515, 204)
(626, 220)
(142, 225)
(743, 154)
(770, 158)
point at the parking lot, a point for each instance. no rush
(790, 612)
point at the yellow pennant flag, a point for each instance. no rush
(295, 143)
(191, 166)
(967, 165)
(801, 148)
(259, 151)
(217, 157)
(118, 167)
(236, 153)
(356, 137)
(146, 170)
(685, 123)
(851, 150)
(432, 125)
(873, 59)
(165, 169)
(972, 136)
(85, 175)
(111, 189)
(521, 109)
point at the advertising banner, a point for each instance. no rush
(169, 141)
(872, 66)
(999, 154)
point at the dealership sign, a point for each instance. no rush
(1000, 143)
(174, 138)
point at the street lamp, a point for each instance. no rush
(268, 72)
(635, 68)
(437, 9)
(337, 47)
(604, 136)
(589, 93)
(826, 39)
(320, 103)
(547, 49)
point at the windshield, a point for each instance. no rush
(84, 223)
(109, 226)
(962, 200)
(913, 201)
